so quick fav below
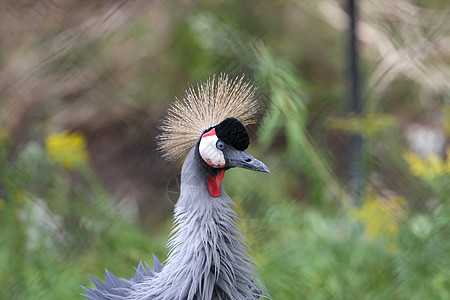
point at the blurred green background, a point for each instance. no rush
(84, 83)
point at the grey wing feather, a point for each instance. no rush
(158, 265)
(118, 289)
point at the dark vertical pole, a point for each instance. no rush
(357, 171)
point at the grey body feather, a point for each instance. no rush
(208, 257)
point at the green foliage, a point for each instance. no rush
(323, 257)
(323, 252)
(55, 230)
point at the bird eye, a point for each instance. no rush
(220, 145)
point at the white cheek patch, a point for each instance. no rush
(209, 152)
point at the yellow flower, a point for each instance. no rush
(416, 165)
(436, 165)
(429, 167)
(67, 149)
(380, 216)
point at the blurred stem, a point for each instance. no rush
(357, 169)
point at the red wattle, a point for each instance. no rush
(214, 184)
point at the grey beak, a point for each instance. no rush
(243, 159)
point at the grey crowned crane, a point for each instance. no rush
(208, 258)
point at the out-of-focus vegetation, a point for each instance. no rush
(84, 83)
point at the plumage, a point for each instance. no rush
(202, 108)
(208, 257)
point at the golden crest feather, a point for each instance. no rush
(204, 107)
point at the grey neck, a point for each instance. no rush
(208, 258)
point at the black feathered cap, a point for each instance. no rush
(232, 132)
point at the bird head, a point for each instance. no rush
(211, 120)
(223, 146)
